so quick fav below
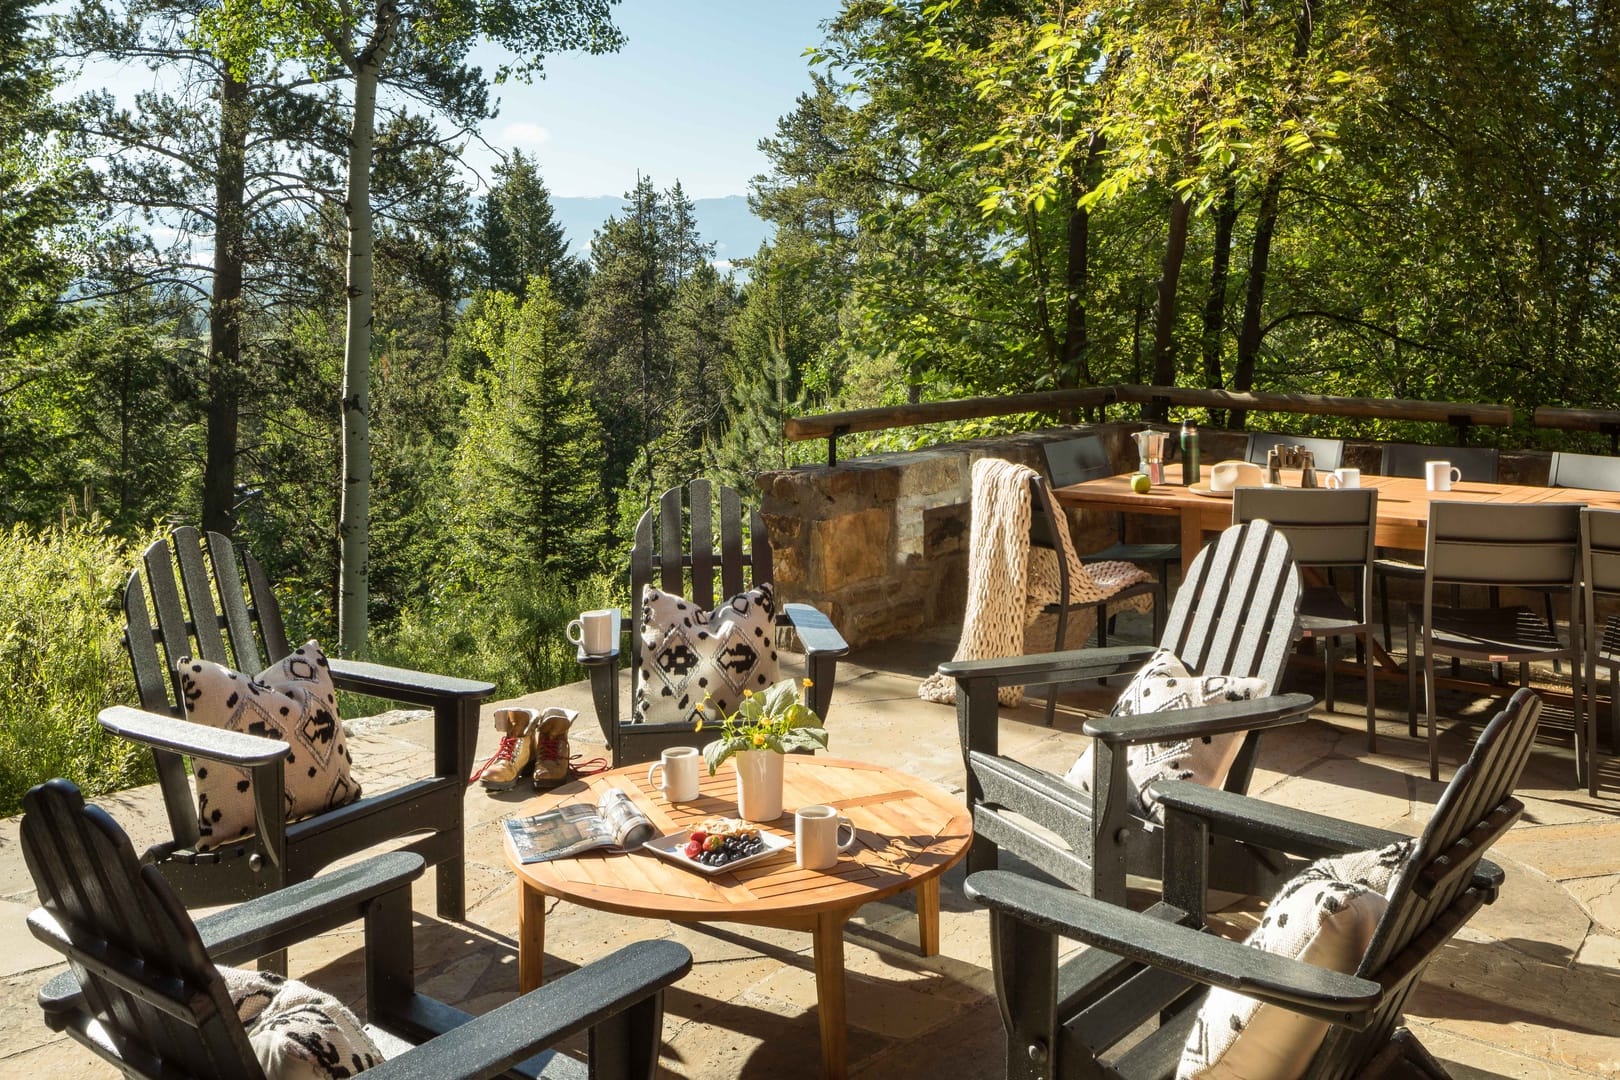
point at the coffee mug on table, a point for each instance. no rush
(679, 765)
(816, 837)
(593, 631)
(1440, 475)
(1342, 478)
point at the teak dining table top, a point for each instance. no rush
(908, 833)
(1403, 503)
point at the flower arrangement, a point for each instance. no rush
(774, 719)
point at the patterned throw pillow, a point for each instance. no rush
(1162, 684)
(297, 1032)
(292, 700)
(1324, 916)
(688, 653)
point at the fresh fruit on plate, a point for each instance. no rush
(722, 840)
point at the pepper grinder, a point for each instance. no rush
(1274, 467)
(1190, 472)
(1307, 464)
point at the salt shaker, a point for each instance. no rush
(1307, 464)
(1274, 466)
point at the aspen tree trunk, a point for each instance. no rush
(225, 309)
(354, 518)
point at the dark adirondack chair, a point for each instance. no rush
(1065, 1019)
(204, 611)
(1236, 613)
(677, 550)
(143, 993)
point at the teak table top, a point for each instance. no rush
(908, 833)
(1403, 503)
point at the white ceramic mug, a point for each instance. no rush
(1440, 475)
(1342, 478)
(679, 765)
(816, 837)
(593, 631)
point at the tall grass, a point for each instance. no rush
(62, 660)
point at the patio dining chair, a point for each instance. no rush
(1476, 463)
(1600, 576)
(1534, 547)
(1234, 615)
(143, 990)
(186, 599)
(1328, 454)
(679, 551)
(1327, 530)
(1594, 472)
(1074, 461)
(1152, 990)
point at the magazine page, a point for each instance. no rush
(556, 834)
(630, 827)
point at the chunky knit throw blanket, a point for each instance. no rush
(1009, 583)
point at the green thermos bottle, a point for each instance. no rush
(1190, 473)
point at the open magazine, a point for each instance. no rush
(616, 821)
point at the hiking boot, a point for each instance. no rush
(551, 750)
(515, 754)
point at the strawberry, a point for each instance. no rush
(692, 849)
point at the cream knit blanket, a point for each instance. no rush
(1009, 583)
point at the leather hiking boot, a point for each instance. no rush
(515, 754)
(551, 751)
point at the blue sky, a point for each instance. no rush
(688, 98)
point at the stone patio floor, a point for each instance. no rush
(1530, 988)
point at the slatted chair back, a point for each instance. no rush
(1534, 546)
(1324, 528)
(1600, 554)
(1435, 893)
(186, 599)
(129, 942)
(1325, 453)
(1594, 472)
(1479, 464)
(684, 547)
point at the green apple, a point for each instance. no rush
(1141, 484)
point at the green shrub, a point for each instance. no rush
(62, 660)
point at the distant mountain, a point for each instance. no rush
(727, 223)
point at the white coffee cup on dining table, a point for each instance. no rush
(817, 837)
(593, 631)
(1342, 478)
(679, 764)
(1440, 475)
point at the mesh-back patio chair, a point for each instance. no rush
(1327, 530)
(1328, 454)
(1535, 547)
(684, 548)
(1074, 461)
(1594, 472)
(1235, 614)
(1070, 1016)
(142, 990)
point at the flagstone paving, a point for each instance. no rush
(1530, 988)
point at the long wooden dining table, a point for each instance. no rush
(1403, 503)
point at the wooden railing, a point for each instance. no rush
(1460, 415)
(1605, 420)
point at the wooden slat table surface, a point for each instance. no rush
(1403, 503)
(908, 833)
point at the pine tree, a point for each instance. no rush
(521, 237)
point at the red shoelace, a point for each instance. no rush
(506, 752)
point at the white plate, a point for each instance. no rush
(672, 847)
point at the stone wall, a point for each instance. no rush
(880, 543)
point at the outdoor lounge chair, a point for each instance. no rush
(143, 992)
(1235, 614)
(676, 550)
(1065, 1018)
(203, 611)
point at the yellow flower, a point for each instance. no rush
(808, 684)
(699, 725)
(759, 739)
(748, 693)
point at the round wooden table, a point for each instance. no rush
(909, 832)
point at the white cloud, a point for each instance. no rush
(522, 133)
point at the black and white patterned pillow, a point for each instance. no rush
(1325, 915)
(292, 700)
(1160, 685)
(688, 653)
(298, 1032)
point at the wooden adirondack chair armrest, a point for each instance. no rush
(1174, 724)
(279, 919)
(1072, 666)
(185, 737)
(1181, 950)
(815, 630)
(1285, 828)
(611, 657)
(515, 1032)
(401, 684)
